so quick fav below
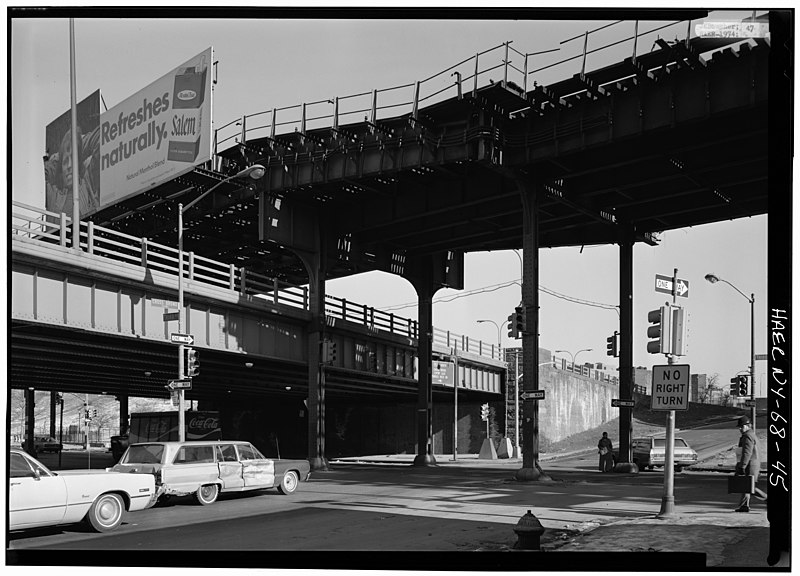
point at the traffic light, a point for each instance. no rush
(59, 397)
(734, 389)
(512, 327)
(742, 385)
(611, 345)
(484, 412)
(328, 351)
(678, 331)
(516, 323)
(192, 363)
(661, 330)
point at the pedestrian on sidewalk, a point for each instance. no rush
(604, 448)
(748, 462)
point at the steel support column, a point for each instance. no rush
(123, 414)
(30, 422)
(530, 338)
(315, 266)
(626, 352)
(425, 291)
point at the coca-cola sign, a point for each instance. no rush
(204, 423)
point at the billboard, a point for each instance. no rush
(58, 159)
(157, 134)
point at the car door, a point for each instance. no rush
(230, 469)
(36, 497)
(257, 471)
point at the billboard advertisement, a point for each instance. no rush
(58, 169)
(157, 134)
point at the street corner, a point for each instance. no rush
(709, 533)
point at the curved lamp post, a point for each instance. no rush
(255, 172)
(575, 356)
(713, 278)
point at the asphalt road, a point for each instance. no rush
(374, 508)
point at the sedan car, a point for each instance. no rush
(39, 497)
(650, 452)
(44, 444)
(206, 468)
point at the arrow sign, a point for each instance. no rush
(184, 384)
(617, 403)
(664, 284)
(181, 338)
(532, 395)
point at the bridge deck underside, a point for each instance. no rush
(663, 144)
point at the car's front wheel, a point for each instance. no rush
(106, 512)
(289, 482)
(207, 494)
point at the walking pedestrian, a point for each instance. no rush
(748, 461)
(604, 448)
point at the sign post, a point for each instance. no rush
(670, 391)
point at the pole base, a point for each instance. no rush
(424, 460)
(531, 475)
(667, 507)
(626, 468)
(318, 463)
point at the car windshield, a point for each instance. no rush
(661, 443)
(144, 454)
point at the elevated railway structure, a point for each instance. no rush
(481, 158)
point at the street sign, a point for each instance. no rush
(617, 403)
(760, 356)
(164, 303)
(670, 387)
(532, 395)
(181, 338)
(182, 384)
(664, 284)
(732, 29)
(169, 316)
(443, 373)
(750, 403)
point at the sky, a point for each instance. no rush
(270, 63)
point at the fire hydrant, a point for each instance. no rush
(528, 530)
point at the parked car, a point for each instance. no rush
(650, 452)
(44, 444)
(39, 497)
(206, 468)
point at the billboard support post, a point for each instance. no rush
(76, 173)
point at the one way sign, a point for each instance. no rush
(664, 284)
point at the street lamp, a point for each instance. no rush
(575, 356)
(255, 172)
(496, 325)
(713, 278)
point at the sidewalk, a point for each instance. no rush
(730, 540)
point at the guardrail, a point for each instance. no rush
(39, 225)
(509, 66)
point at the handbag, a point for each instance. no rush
(741, 484)
(603, 451)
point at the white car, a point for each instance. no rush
(39, 497)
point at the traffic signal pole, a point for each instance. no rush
(668, 499)
(181, 416)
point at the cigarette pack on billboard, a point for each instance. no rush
(190, 85)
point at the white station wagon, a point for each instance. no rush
(206, 468)
(39, 497)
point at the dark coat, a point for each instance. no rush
(749, 462)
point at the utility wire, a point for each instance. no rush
(495, 287)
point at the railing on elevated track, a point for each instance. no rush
(36, 224)
(510, 67)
